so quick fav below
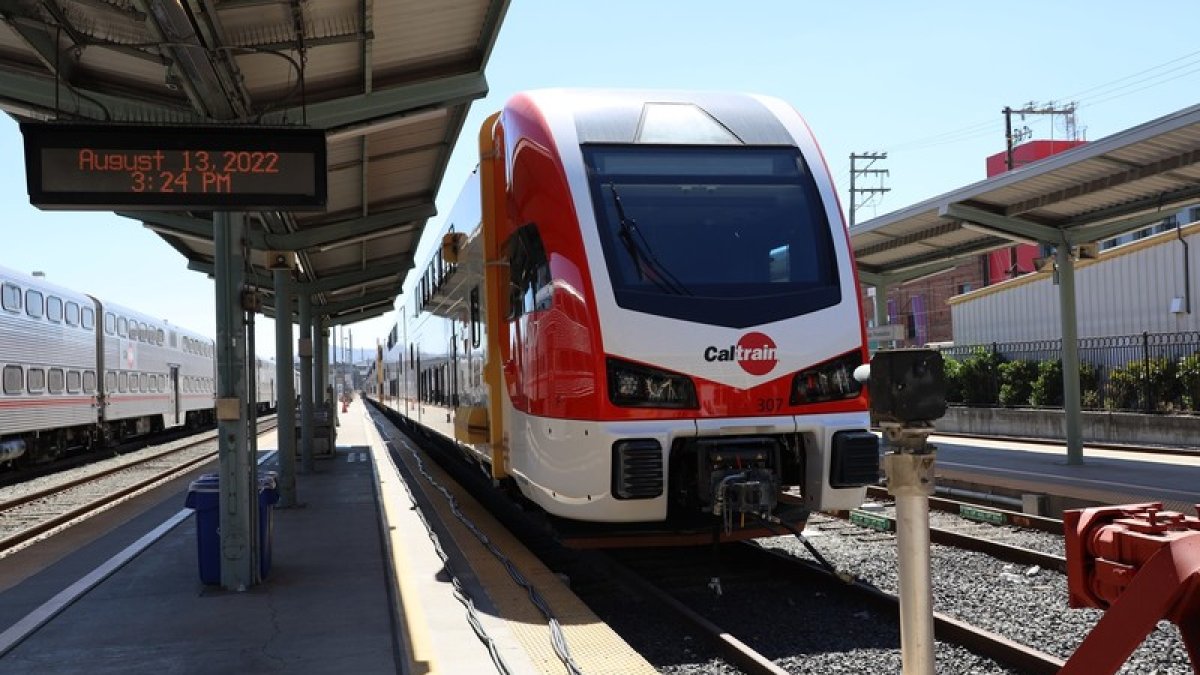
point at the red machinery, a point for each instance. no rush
(1140, 564)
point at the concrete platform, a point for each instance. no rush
(370, 574)
(121, 593)
(1107, 476)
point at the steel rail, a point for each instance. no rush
(1026, 520)
(1023, 658)
(52, 522)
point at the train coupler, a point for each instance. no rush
(752, 491)
(1140, 564)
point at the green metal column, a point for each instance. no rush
(1070, 354)
(306, 383)
(237, 499)
(881, 308)
(322, 365)
(285, 388)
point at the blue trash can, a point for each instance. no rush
(268, 495)
(204, 497)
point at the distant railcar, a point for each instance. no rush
(79, 371)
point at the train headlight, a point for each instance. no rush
(829, 381)
(637, 386)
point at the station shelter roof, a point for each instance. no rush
(1075, 198)
(389, 82)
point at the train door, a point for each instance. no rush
(173, 395)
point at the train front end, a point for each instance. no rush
(681, 317)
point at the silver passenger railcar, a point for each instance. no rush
(49, 401)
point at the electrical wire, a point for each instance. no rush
(557, 639)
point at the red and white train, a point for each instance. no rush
(78, 372)
(645, 310)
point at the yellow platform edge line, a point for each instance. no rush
(416, 642)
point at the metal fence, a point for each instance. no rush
(1151, 372)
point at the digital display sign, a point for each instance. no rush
(217, 168)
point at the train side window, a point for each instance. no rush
(110, 323)
(10, 297)
(529, 272)
(160, 337)
(133, 331)
(87, 318)
(14, 380)
(144, 382)
(475, 318)
(36, 380)
(89, 381)
(174, 340)
(54, 308)
(35, 304)
(110, 381)
(123, 382)
(72, 313)
(56, 380)
(122, 326)
(74, 381)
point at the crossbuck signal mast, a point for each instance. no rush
(866, 170)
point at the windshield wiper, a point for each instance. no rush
(644, 261)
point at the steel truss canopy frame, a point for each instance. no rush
(1084, 195)
(390, 84)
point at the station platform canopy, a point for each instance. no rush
(1075, 198)
(390, 83)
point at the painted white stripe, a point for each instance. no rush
(39, 617)
(49, 609)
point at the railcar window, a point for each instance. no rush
(174, 340)
(160, 337)
(89, 381)
(133, 331)
(529, 272)
(122, 326)
(110, 381)
(10, 297)
(35, 304)
(144, 382)
(110, 323)
(56, 381)
(72, 313)
(87, 318)
(36, 380)
(54, 308)
(14, 379)
(123, 382)
(74, 381)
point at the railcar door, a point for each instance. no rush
(173, 395)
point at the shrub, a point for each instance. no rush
(981, 377)
(1127, 387)
(954, 382)
(1048, 388)
(1016, 382)
(1188, 375)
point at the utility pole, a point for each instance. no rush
(855, 171)
(1011, 141)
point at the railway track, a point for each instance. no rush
(981, 536)
(26, 517)
(669, 575)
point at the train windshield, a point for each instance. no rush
(727, 235)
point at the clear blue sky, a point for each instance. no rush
(924, 81)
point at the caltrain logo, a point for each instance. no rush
(755, 353)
